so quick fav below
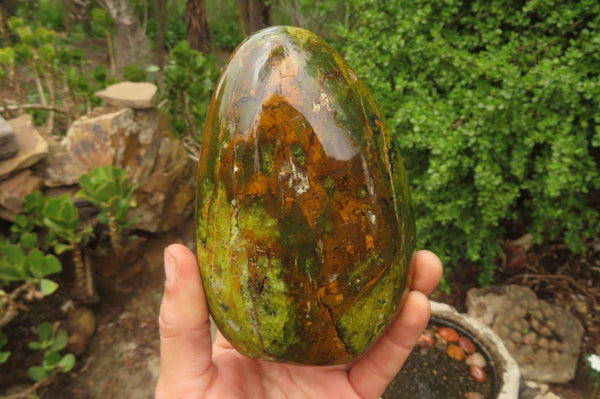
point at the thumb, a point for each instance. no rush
(185, 340)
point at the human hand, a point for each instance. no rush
(192, 366)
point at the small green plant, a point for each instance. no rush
(134, 73)
(61, 217)
(24, 276)
(593, 362)
(190, 79)
(108, 188)
(51, 342)
(102, 19)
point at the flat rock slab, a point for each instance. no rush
(544, 339)
(32, 146)
(8, 142)
(137, 95)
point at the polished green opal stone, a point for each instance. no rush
(305, 227)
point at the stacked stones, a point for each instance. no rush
(129, 133)
(544, 339)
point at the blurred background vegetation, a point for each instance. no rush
(494, 105)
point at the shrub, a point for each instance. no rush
(496, 109)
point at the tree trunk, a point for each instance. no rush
(197, 26)
(130, 44)
(255, 15)
(68, 6)
(161, 15)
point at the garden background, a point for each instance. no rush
(494, 105)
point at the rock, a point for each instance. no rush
(81, 326)
(8, 142)
(539, 325)
(455, 352)
(60, 167)
(32, 146)
(14, 189)
(477, 373)
(476, 359)
(136, 95)
(305, 229)
(467, 345)
(140, 142)
(448, 333)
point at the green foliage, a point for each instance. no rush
(108, 187)
(190, 79)
(19, 265)
(61, 217)
(496, 108)
(102, 19)
(48, 13)
(226, 35)
(51, 343)
(134, 73)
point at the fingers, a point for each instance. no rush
(185, 341)
(371, 374)
(428, 271)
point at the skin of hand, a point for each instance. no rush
(192, 366)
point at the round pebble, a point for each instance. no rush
(543, 343)
(425, 341)
(466, 345)
(474, 395)
(448, 333)
(477, 373)
(545, 331)
(476, 359)
(516, 337)
(530, 338)
(455, 352)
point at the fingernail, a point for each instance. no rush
(170, 268)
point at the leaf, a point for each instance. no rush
(4, 356)
(51, 265)
(103, 218)
(60, 341)
(44, 331)
(34, 262)
(15, 254)
(48, 286)
(67, 362)
(35, 345)
(29, 240)
(10, 273)
(37, 373)
(61, 248)
(51, 359)
(3, 339)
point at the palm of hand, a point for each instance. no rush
(192, 367)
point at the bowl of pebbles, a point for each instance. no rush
(456, 357)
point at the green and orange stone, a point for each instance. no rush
(305, 227)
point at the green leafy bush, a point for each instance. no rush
(190, 79)
(226, 35)
(496, 108)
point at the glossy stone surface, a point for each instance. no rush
(304, 223)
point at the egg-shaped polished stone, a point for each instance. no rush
(304, 223)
